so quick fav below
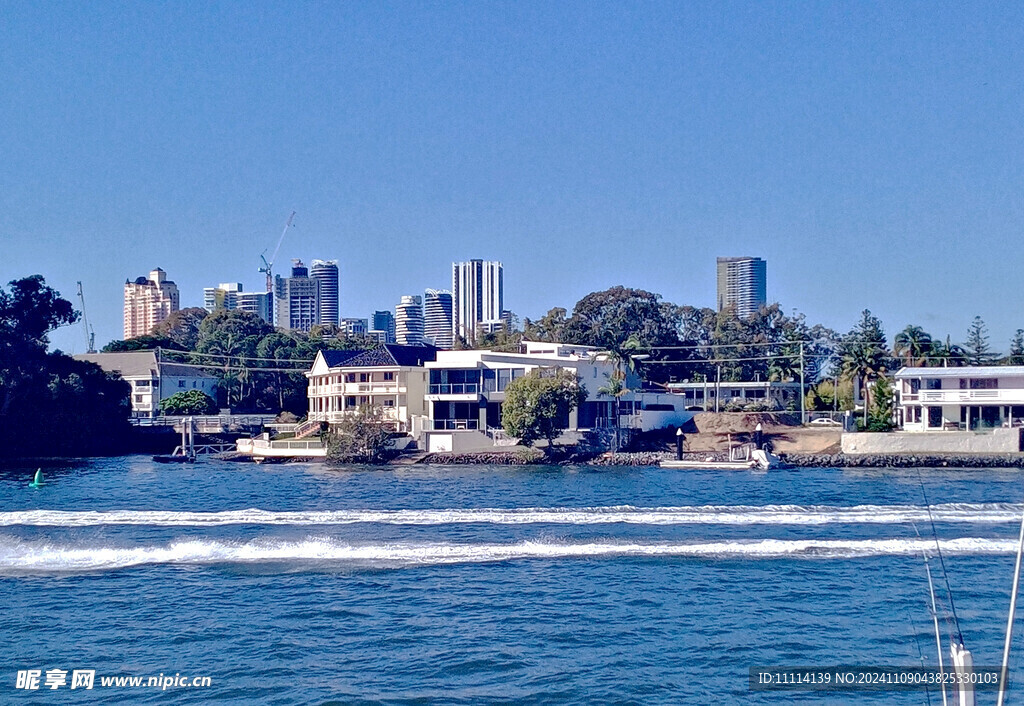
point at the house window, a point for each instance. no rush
(935, 417)
(389, 403)
(350, 377)
(350, 401)
(932, 384)
(389, 376)
(362, 377)
(181, 383)
(985, 384)
(138, 399)
(915, 387)
(193, 384)
(142, 383)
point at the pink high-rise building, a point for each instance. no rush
(147, 302)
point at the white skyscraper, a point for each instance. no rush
(437, 318)
(742, 284)
(409, 321)
(477, 296)
(326, 273)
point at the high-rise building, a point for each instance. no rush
(223, 296)
(147, 302)
(437, 318)
(477, 296)
(258, 303)
(326, 273)
(383, 326)
(297, 299)
(354, 327)
(229, 295)
(409, 321)
(742, 284)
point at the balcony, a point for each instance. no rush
(960, 397)
(456, 391)
(358, 388)
(454, 424)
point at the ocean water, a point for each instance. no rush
(302, 584)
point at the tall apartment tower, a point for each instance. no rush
(383, 326)
(147, 302)
(326, 273)
(742, 284)
(437, 318)
(229, 295)
(478, 296)
(409, 321)
(297, 299)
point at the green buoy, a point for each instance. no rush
(37, 482)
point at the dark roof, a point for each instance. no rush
(389, 354)
(334, 358)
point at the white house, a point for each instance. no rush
(152, 379)
(970, 398)
(467, 388)
(712, 396)
(390, 377)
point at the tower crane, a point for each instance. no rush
(90, 335)
(268, 266)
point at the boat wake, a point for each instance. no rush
(974, 513)
(19, 556)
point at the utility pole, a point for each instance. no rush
(803, 402)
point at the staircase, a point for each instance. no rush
(307, 429)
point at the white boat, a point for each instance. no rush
(742, 457)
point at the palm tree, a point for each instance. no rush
(948, 355)
(913, 344)
(615, 389)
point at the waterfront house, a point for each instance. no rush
(969, 398)
(152, 379)
(467, 388)
(712, 396)
(390, 377)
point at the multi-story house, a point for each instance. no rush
(970, 399)
(391, 377)
(152, 379)
(467, 388)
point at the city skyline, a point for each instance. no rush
(866, 151)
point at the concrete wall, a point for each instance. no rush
(929, 442)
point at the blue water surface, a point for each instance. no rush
(415, 613)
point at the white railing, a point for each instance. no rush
(358, 388)
(1015, 397)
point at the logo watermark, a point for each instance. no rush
(35, 679)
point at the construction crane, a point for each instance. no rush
(268, 266)
(90, 335)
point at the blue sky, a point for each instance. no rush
(872, 153)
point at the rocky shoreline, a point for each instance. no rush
(795, 460)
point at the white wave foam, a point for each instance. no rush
(20, 556)
(975, 513)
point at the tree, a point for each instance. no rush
(225, 336)
(1016, 356)
(913, 344)
(361, 437)
(883, 406)
(864, 354)
(537, 405)
(50, 403)
(948, 355)
(182, 327)
(189, 402)
(979, 352)
(607, 319)
(141, 343)
(549, 328)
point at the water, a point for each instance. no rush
(300, 584)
